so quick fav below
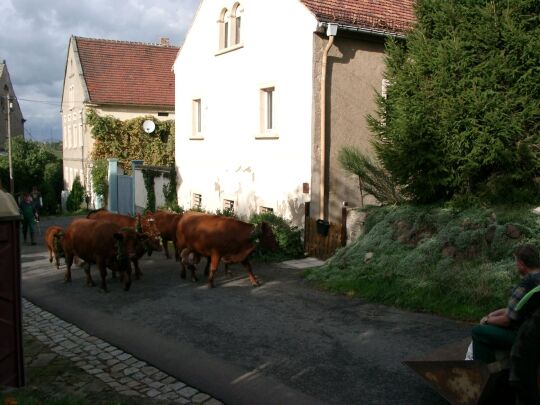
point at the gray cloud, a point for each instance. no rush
(35, 35)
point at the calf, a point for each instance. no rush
(166, 223)
(53, 241)
(103, 243)
(221, 238)
(146, 225)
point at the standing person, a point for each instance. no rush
(37, 201)
(498, 329)
(29, 217)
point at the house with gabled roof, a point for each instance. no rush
(16, 120)
(117, 78)
(256, 80)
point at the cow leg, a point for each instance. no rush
(89, 281)
(103, 273)
(214, 262)
(57, 260)
(252, 278)
(50, 256)
(165, 244)
(138, 272)
(69, 263)
(126, 276)
(207, 267)
(192, 268)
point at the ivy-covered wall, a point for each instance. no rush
(127, 141)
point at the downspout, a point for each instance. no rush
(331, 32)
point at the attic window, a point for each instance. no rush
(266, 210)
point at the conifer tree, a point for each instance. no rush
(462, 113)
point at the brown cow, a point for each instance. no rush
(147, 224)
(221, 238)
(166, 223)
(104, 243)
(53, 241)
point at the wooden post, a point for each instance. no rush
(344, 223)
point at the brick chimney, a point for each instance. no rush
(164, 41)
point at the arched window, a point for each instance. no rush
(224, 26)
(236, 19)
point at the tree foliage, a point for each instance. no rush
(127, 141)
(462, 113)
(34, 164)
(372, 178)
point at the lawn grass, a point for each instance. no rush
(433, 258)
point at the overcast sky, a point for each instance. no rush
(34, 36)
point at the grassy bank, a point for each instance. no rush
(434, 259)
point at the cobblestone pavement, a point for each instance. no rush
(117, 369)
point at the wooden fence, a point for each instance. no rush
(322, 239)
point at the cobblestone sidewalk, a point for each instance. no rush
(118, 370)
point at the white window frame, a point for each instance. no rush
(267, 112)
(197, 118)
(196, 200)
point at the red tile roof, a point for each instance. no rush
(389, 16)
(131, 73)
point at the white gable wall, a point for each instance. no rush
(230, 162)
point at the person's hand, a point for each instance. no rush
(484, 320)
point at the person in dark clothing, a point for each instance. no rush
(498, 329)
(37, 201)
(29, 217)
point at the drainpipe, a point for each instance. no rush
(331, 32)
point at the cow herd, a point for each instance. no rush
(117, 242)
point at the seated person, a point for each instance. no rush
(498, 329)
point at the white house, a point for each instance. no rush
(248, 110)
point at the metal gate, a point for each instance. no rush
(125, 195)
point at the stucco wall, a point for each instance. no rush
(354, 72)
(230, 162)
(16, 123)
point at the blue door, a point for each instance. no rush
(125, 195)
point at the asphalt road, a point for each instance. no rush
(282, 343)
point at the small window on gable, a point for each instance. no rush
(197, 118)
(266, 210)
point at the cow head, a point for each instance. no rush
(267, 238)
(57, 244)
(127, 244)
(147, 225)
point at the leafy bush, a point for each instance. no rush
(433, 258)
(289, 238)
(226, 212)
(76, 196)
(100, 179)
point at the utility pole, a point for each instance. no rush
(11, 183)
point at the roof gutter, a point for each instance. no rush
(322, 25)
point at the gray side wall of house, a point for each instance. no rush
(355, 70)
(16, 119)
